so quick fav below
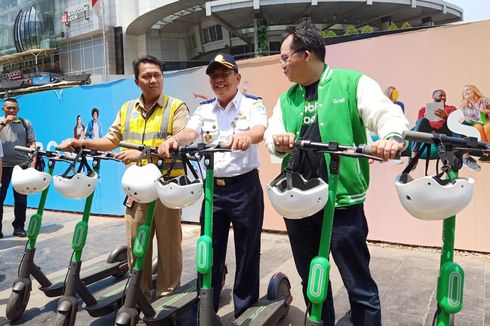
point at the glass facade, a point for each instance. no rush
(28, 24)
(87, 56)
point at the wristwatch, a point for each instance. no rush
(3, 123)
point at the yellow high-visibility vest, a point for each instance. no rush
(153, 130)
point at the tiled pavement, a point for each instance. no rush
(406, 276)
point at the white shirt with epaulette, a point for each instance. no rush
(217, 124)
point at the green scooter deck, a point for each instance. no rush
(264, 312)
(89, 275)
(172, 303)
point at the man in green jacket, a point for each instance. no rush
(323, 105)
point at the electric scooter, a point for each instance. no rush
(74, 284)
(318, 278)
(450, 282)
(167, 309)
(116, 264)
(269, 309)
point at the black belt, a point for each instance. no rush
(222, 182)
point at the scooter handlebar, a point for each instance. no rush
(435, 138)
(24, 149)
(138, 147)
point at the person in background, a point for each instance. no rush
(476, 109)
(79, 129)
(94, 128)
(14, 131)
(393, 94)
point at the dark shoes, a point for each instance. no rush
(1, 234)
(19, 233)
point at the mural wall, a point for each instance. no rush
(415, 62)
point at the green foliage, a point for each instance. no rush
(328, 33)
(367, 29)
(393, 27)
(406, 25)
(262, 38)
(351, 30)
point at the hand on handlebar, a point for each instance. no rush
(386, 149)
(169, 145)
(239, 142)
(128, 156)
(283, 143)
(69, 145)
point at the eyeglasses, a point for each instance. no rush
(285, 57)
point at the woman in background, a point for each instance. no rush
(476, 109)
(393, 94)
(79, 129)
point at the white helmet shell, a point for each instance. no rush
(29, 181)
(304, 199)
(77, 186)
(179, 192)
(139, 182)
(427, 199)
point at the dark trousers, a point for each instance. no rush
(240, 203)
(20, 201)
(423, 125)
(351, 255)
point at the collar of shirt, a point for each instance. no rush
(233, 105)
(140, 105)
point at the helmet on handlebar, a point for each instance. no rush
(29, 181)
(432, 198)
(76, 186)
(179, 192)
(301, 199)
(138, 182)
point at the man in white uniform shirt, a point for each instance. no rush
(240, 120)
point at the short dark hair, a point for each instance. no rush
(306, 37)
(95, 110)
(145, 59)
(11, 99)
(437, 91)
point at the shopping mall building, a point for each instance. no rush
(100, 38)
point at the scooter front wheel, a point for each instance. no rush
(279, 287)
(128, 317)
(120, 254)
(18, 302)
(62, 319)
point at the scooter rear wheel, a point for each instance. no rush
(16, 305)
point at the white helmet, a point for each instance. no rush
(304, 199)
(29, 181)
(431, 198)
(139, 182)
(77, 186)
(179, 192)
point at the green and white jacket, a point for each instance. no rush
(348, 103)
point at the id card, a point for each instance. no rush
(128, 202)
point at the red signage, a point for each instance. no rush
(64, 19)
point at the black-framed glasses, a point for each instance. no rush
(285, 57)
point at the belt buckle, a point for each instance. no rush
(220, 182)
